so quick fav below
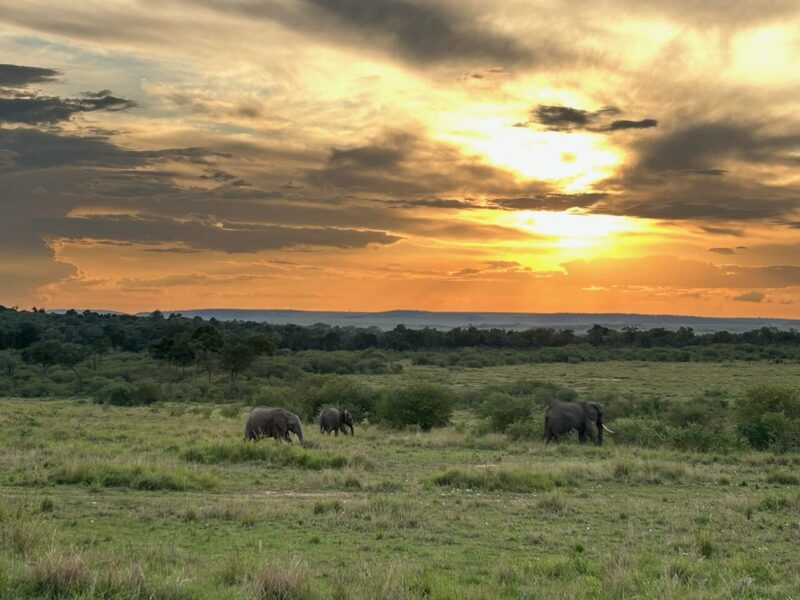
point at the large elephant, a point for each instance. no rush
(277, 423)
(562, 417)
(335, 420)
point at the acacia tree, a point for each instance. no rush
(238, 355)
(206, 342)
(70, 356)
(43, 354)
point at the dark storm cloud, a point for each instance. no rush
(200, 235)
(408, 165)
(444, 203)
(369, 156)
(677, 175)
(423, 32)
(561, 118)
(48, 110)
(565, 118)
(25, 148)
(626, 124)
(740, 200)
(420, 32)
(17, 76)
(701, 147)
(547, 201)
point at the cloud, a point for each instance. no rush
(627, 124)
(399, 163)
(17, 76)
(547, 201)
(421, 33)
(670, 271)
(215, 235)
(48, 110)
(716, 230)
(565, 118)
(750, 297)
(702, 147)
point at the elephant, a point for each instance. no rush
(336, 420)
(277, 423)
(561, 417)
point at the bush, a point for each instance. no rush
(768, 416)
(503, 409)
(425, 405)
(517, 408)
(122, 394)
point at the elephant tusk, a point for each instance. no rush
(607, 429)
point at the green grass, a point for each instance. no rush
(166, 502)
(494, 480)
(269, 451)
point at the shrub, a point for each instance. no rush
(516, 408)
(768, 416)
(502, 409)
(425, 405)
(117, 394)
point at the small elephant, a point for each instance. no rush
(277, 423)
(336, 420)
(561, 417)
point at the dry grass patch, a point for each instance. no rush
(279, 581)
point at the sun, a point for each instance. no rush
(573, 228)
(571, 161)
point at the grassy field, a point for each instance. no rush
(167, 502)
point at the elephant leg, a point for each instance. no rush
(590, 431)
(336, 432)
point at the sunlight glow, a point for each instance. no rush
(572, 228)
(573, 161)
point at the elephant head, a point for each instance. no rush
(594, 413)
(347, 421)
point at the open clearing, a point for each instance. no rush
(168, 502)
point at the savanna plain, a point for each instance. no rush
(166, 501)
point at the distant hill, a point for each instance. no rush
(485, 320)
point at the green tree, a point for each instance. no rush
(8, 363)
(236, 356)
(425, 405)
(43, 354)
(70, 356)
(769, 416)
(206, 342)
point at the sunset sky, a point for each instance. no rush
(514, 155)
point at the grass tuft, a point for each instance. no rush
(279, 581)
(280, 455)
(137, 476)
(783, 477)
(494, 480)
(59, 575)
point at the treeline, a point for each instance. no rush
(170, 336)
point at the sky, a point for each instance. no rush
(514, 155)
